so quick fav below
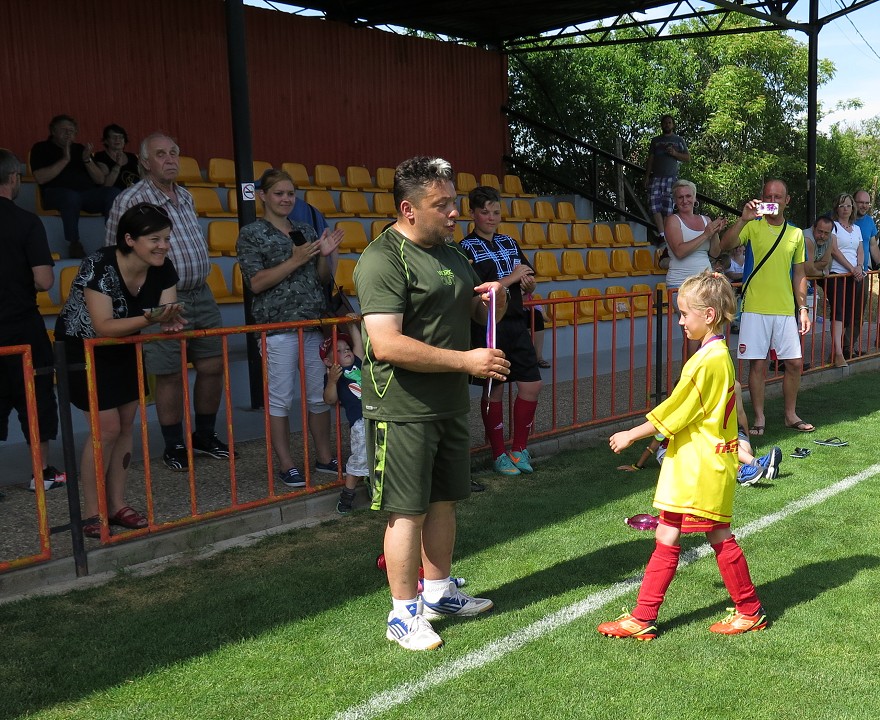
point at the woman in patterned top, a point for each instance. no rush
(118, 291)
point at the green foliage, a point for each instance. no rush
(740, 102)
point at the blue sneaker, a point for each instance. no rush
(292, 478)
(749, 474)
(522, 460)
(505, 466)
(770, 462)
(454, 603)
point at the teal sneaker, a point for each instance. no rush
(522, 460)
(505, 466)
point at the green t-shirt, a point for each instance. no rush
(770, 291)
(433, 290)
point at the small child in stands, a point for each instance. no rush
(343, 385)
(698, 475)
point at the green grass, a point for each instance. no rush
(294, 627)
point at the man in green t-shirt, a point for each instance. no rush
(776, 286)
(418, 293)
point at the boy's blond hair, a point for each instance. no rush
(710, 289)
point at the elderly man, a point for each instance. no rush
(417, 293)
(70, 181)
(26, 269)
(160, 165)
(775, 253)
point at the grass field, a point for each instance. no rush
(294, 627)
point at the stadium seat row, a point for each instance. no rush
(599, 306)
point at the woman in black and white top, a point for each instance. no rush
(118, 291)
(845, 292)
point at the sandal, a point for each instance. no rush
(832, 442)
(801, 426)
(800, 453)
(128, 517)
(757, 430)
(91, 527)
(543, 364)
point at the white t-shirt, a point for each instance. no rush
(848, 243)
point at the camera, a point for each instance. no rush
(767, 208)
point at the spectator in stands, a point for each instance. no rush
(189, 252)
(285, 265)
(692, 239)
(665, 154)
(120, 168)
(776, 285)
(818, 241)
(499, 258)
(70, 181)
(26, 269)
(342, 385)
(845, 292)
(118, 292)
(417, 292)
(871, 253)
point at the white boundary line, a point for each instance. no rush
(497, 649)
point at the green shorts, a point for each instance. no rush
(414, 464)
(163, 357)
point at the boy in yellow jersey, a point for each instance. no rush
(698, 475)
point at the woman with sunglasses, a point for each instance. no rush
(119, 291)
(844, 286)
(287, 266)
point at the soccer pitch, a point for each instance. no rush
(294, 627)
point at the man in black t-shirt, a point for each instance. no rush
(70, 181)
(26, 268)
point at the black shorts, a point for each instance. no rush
(514, 337)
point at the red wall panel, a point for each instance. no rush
(319, 91)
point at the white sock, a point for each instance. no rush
(435, 589)
(405, 608)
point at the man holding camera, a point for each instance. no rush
(774, 281)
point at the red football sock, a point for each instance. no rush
(523, 419)
(493, 421)
(735, 573)
(659, 573)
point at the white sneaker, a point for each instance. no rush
(454, 603)
(412, 633)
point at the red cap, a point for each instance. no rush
(327, 345)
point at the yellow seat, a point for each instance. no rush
(597, 308)
(581, 236)
(222, 237)
(385, 178)
(544, 211)
(597, 263)
(65, 280)
(617, 307)
(512, 186)
(621, 262)
(354, 238)
(602, 236)
(383, 204)
(457, 233)
(207, 203)
(534, 235)
(345, 275)
(190, 174)
(511, 230)
(573, 264)
(259, 167)
(464, 209)
(232, 202)
(355, 203)
(359, 178)
(560, 314)
(546, 268)
(465, 182)
(640, 303)
(643, 262)
(664, 294)
(221, 171)
(521, 211)
(623, 235)
(557, 235)
(322, 201)
(327, 176)
(218, 286)
(299, 174)
(565, 212)
(378, 226)
(46, 305)
(490, 180)
(237, 282)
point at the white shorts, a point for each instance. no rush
(759, 333)
(282, 366)
(357, 462)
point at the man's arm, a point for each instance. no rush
(44, 277)
(799, 286)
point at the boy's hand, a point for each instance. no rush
(334, 372)
(620, 441)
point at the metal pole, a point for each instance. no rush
(812, 107)
(659, 306)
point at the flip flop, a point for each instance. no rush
(800, 453)
(757, 430)
(832, 442)
(801, 426)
